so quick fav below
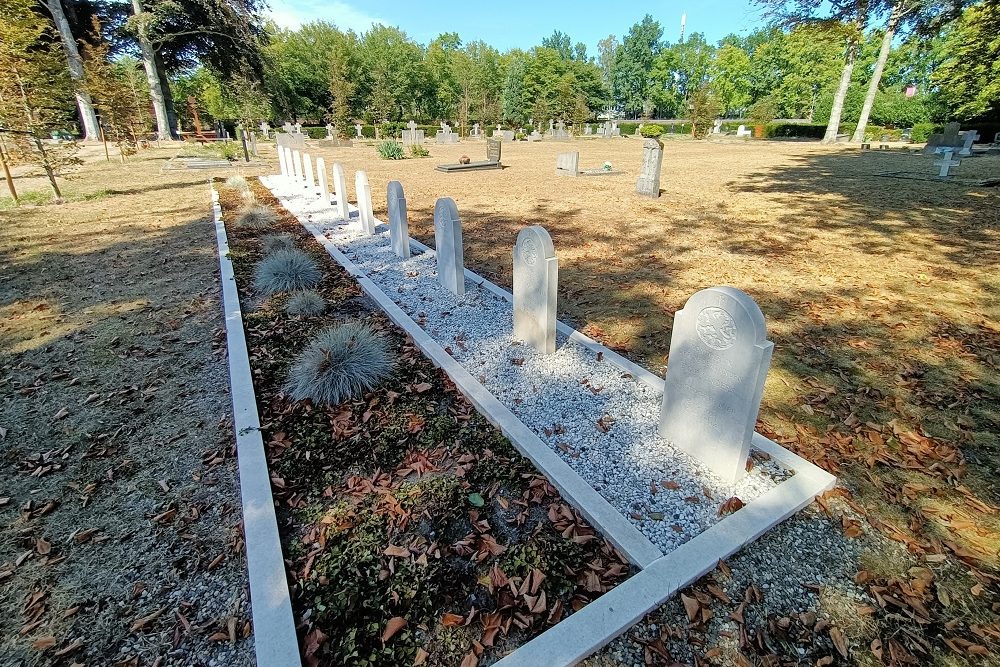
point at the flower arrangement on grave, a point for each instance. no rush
(606, 166)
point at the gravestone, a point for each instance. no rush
(648, 184)
(968, 137)
(534, 136)
(324, 184)
(329, 131)
(615, 130)
(552, 129)
(366, 216)
(946, 163)
(948, 140)
(357, 128)
(340, 192)
(536, 276)
(717, 127)
(298, 128)
(608, 129)
(290, 140)
(287, 128)
(493, 150)
(300, 175)
(445, 135)
(742, 131)
(265, 129)
(588, 130)
(448, 244)
(560, 133)
(253, 143)
(309, 180)
(568, 164)
(399, 230)
(475, 132)
(719, 356)
(411, 135)
(282, 165)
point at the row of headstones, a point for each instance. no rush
(648, 183)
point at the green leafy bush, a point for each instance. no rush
(256, 216)
(274, 242)
(341, 363)
(306, 303)
(390, 130)
(416, 150)
(390, 150)
(650, 131)
(922, 132)
(226, 150)
(800, 130)
(763, 111)
(286, 271)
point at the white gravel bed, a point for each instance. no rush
(599, 419)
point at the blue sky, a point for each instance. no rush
(517, 23)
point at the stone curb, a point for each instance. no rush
(275, 640)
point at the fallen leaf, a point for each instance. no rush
(452, 620)
(837, 637)
(140, 623)
(421, 657)
(43, 643)
(395, 624)
(691, 606)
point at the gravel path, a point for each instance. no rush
(600, 420)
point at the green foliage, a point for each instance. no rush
(922, 132)
(341, 363)
(704, 110)
(799, 130)
(286, 271)
(763, 111)
(969, 74)
(390, 150)
(651, 130)
(256, 216)
(227, 150)
(416, 150)
(274, 242)
(306, 303)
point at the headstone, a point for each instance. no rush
(493, 149)
(297, 167)
(534, 136)
(560, 133)
(290, 140)
(607, 129)
(399, 230)
(411, 135)
(507, 135)
(551, 131)
(615, 130)
(719, 356)
(968, 138)
(253, 143)
(588, 130)
(475, 132)
(448, 244)
(946, 163)
(287, 128)
(340, 191)
(536, 276)
(366, 217)
(445, 135)
(309, 181)
(265, 129)
(717, 128)
(648, 184)
(298, 128)
(324, 184)
(568, 164)
(357, 128)
(742, 131)
(329, 131)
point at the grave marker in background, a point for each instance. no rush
(568, 164)
(324, 184)
(340, 191)
(364, 192)
(448, 243)
(968, 137)
(536, 277)
(357, 128)
(399, 230)
(648, 184)
(309, 180)
(719, 356)
(946, 163)
(411, 135)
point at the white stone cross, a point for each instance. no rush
(329, 131)
(969, 137)
(357, 128)
(946, 163)
(412, 125)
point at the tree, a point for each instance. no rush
(731, 78)
(633, 63)
(154, 75)
(83, 101)
(341, 91)
(969, 74)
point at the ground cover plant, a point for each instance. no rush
(414, 532)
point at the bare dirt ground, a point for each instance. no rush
(119, 501)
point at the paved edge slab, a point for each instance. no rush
(275, 641)
(597, 624)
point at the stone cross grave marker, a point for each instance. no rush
(366, 217)
(968, 137)
(310, 180)
(719, 356)
(717, 127)
(445, 135)
(265, 129)
(298, 128)
(324, 183)
(329, 131)
(448, 243)
(568, 164)
(399, 230)
(946, 163)
(493, 149)
(475, 132)
(560, 131)
(648, 184)
(607, 129)
(536, 277)
(411, 135)
(357, 128)
(552, 125)
(287, 128)
(588, 129)
(340, 192)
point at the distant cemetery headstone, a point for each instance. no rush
(298, 128)
(329, 131)
(949, 139)
(411, 135)
(324, 184)
(357, 128)
(717, 128)
(290, 140)
(448, 245)
(309, 181)
(475, 132)
(534, 136)
(265, 129)
(366, 216)
(969, 137)
(568, 164)
(560, 133)
(718, 361)
(493, 149)
(536, 277)
(742, 131)
(445, 135)
(287, 128)
(648, 184)
(399, 230)
(946, 163)
(588, 130)
(340, 191)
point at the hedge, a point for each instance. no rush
(800, 130)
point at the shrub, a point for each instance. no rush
(274, 242)
(627, 128)
(256, 216)
(248, 197)
(390, 150)
(763, 111)
(286, 271)
(803, 130)
(227, 150)
(416, 150)
(390, 129)
(922, 132)
(237, 183)
(306, 303)
(340, 363)
(650, 131)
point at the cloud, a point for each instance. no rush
(292, 14)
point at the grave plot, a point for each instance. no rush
(593, 409)
(412, 530)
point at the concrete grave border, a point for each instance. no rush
(661, 576)
(275, 641)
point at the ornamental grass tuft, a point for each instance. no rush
(256, 216)
(341, 363)
(306, 304)
(286, 271)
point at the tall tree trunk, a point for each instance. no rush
(883, 56)
(833, 127)
(152, 77)
(88, 117)
(168, 97)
